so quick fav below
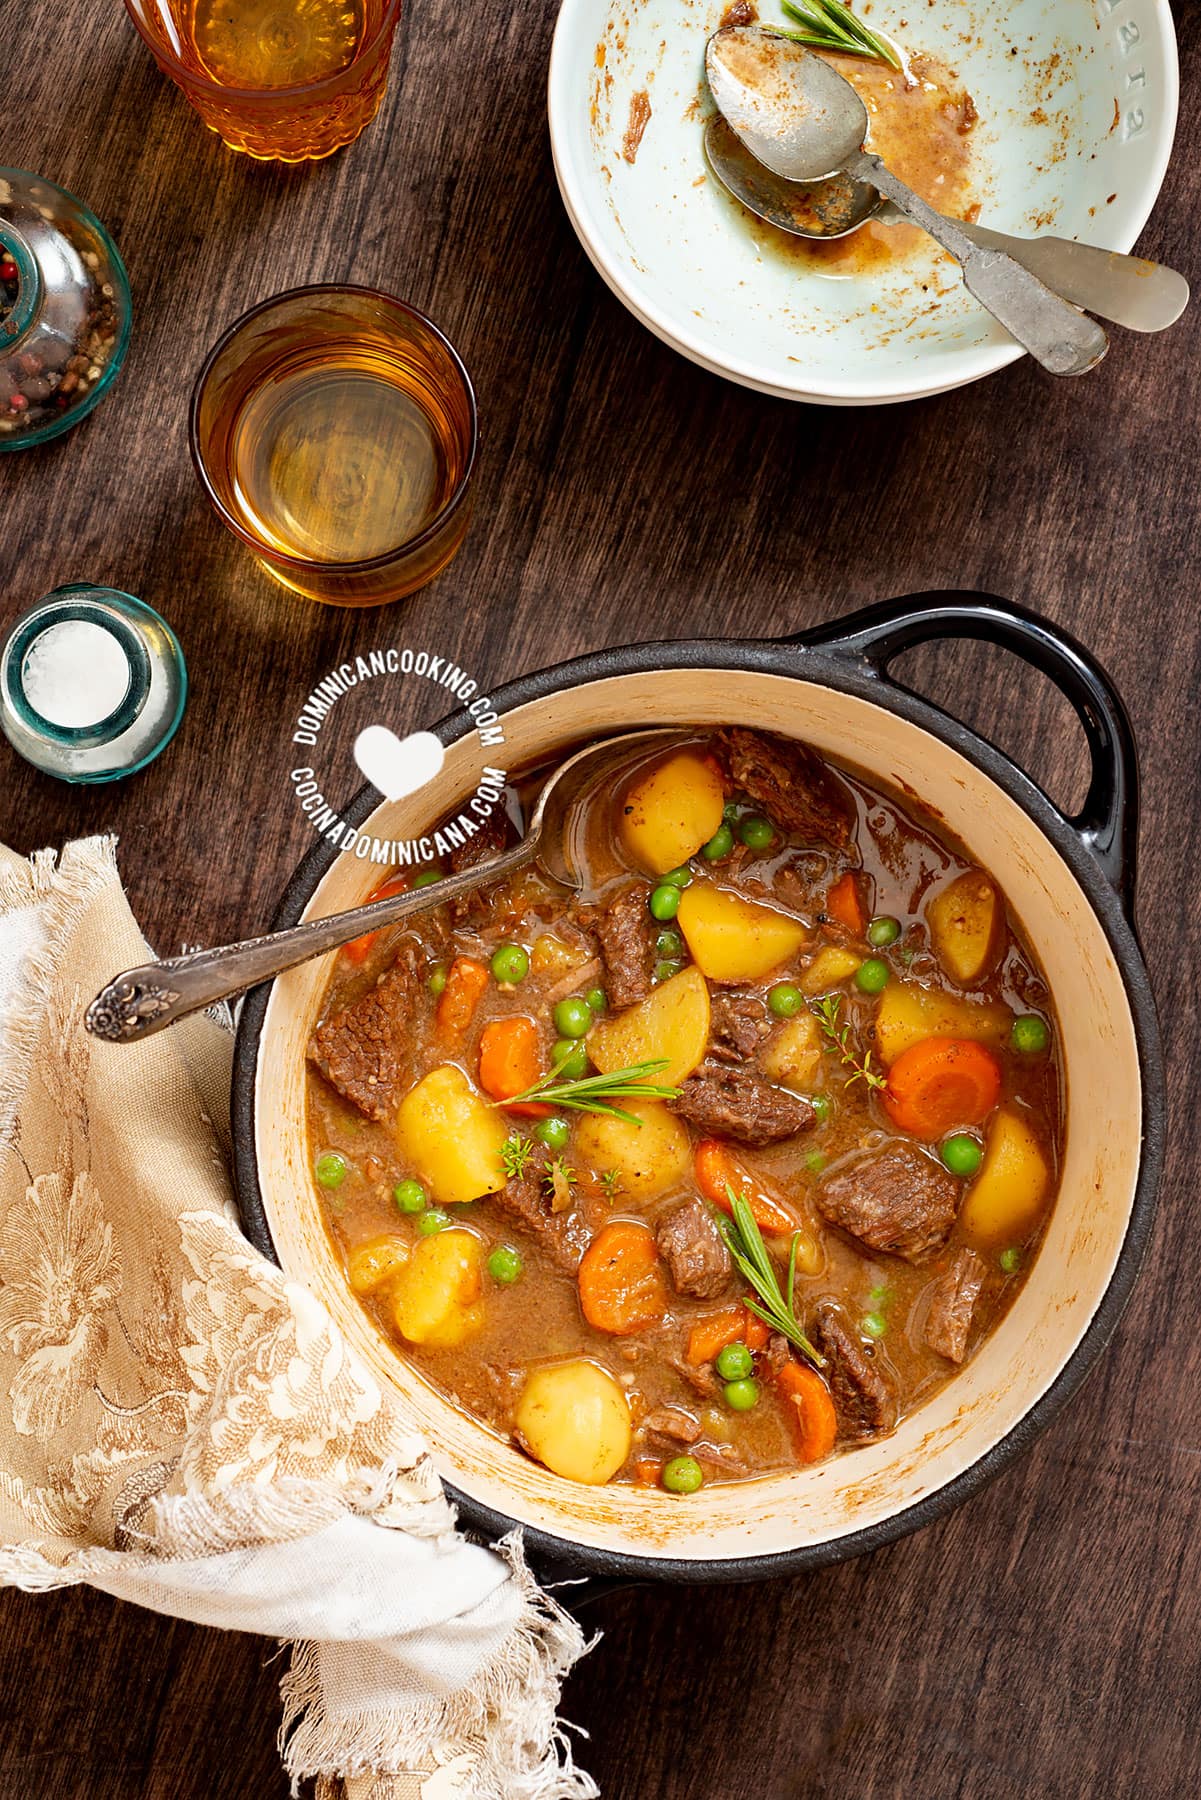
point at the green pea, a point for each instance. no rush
(505, 1265)
(682, 1475)
(962, 1154)
(756, 833)
(665, 970)
(822, 1106)
(1010, 1260)
(719, 845)
(878, 1294)
(731, 811)
(432, 1220)
(742, 1395)
(596, 1000)
(573, 1016)
(735, 1362)
(871, 977)
(664, 902)
(873, 1325)
(815, 1162)
(883, 930)
(669, 942)
(785, 999)
(681, 877)
(410, 1196)
(510, 963)
(1029, 1034)
(570, 1058)
(331, 1169)
(436, 980)
(554, 1133)
(427, 878)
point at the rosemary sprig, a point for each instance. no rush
(828, 1010)
(597, 1093)
(829, 25)
(744, 1241)
(516, 1154)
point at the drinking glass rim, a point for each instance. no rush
(190, 78)
(307, 564)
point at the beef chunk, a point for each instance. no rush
(627, 940)
(863, 1395)
(670, 1422)
(484, 847)
(789, 782)
(897, 1199)
(361, 1049)
(694, 1250)
(737, 1103)
(739, 1024)
(952, 1302)
(564, 1236)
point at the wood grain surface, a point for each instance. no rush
(1041, 1642)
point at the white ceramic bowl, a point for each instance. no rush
(1057, 874)
(1073, 139)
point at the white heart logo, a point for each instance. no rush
(397, 766)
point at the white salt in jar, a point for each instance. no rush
(92, 684)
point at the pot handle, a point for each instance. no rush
(1107, 823)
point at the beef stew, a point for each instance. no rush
(727, 1163)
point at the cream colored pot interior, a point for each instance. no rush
(1036, 1339)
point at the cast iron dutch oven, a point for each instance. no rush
(1070, 881)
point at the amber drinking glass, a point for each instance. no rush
(283, 80)
(334, 431)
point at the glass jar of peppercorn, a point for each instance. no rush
(65, 311)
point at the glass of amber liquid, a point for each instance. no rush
(283, 80)
(334, 431)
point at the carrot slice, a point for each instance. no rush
(621, 1284)
(509, 1063)
(358, 949)
(843, 903)
(647, 1473)
(939, 1083)
(717, 1167)
(465, 985)
(732, 1325)
(810, 1408)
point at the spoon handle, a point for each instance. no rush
(141, 1001)
(1063, 340)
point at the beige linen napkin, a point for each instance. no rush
(183, 1427)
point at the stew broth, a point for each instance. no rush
(815, 1089)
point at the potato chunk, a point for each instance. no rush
(575, 1419)
(909, 1012)
(437, 1295)
(965, 920)
(369, 1265)
(1008, 1194)
(829, 968)
(671, 811)
(671, 1023)
(793, 1053)
(732, 939)
(451, 1137)
(650, 1157)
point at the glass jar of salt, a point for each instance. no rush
(92, 684)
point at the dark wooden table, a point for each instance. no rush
(1043, 1641)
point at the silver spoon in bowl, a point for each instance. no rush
(142, 1001)
(799, 117)
(1129, 290)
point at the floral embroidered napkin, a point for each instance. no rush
(183, 1427)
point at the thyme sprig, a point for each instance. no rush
(516, 1154)
(838, 1034)
(597, 1093)
(829, 25)
(744, 1241)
